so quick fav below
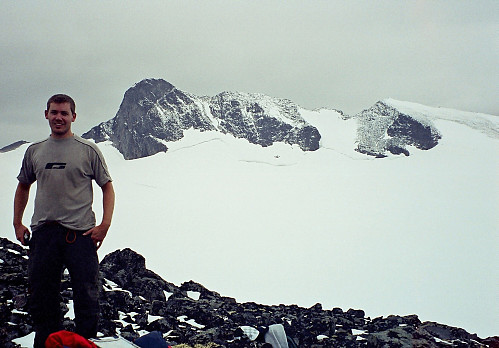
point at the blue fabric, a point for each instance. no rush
(153, 339)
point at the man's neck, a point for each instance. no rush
(60, 137)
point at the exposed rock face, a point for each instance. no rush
(154, 112)
(135, 300)
(382, 129)
(151, 112)
(13, 146)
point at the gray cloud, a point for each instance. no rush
(339, 54)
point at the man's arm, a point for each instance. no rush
(98, 233)
(20, 201)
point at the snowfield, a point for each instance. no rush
(399, 235)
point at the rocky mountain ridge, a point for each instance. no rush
(13, 146)
(154, 112)
(136, 300)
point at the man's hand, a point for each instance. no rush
(98, 233)
(20, 201)
(21, 231)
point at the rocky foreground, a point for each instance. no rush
(135, 301)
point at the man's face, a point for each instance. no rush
(60, 118)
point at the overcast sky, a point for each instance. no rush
(339, 54)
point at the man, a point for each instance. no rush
(64, 232)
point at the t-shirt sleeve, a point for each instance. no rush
(27, 174)
(101, 173)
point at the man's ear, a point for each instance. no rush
(46, 114)
(74, 117)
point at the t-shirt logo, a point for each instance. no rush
(55, 165)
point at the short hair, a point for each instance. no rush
(62, 98)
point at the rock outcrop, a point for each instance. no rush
(135, 301)
(383, 129)
(12, 146)
(154, 112)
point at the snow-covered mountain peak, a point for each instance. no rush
(154, 112)
(383, 129)
(488, 124)
(283, 110)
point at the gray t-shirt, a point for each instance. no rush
(64, 169)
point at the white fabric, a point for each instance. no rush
(276, 336)
(250, 332)
(113, 342)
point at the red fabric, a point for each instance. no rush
(61, 339)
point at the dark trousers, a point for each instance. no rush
(53, 248)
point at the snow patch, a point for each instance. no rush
(194, 295)
(487, 124)
(192, 322)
